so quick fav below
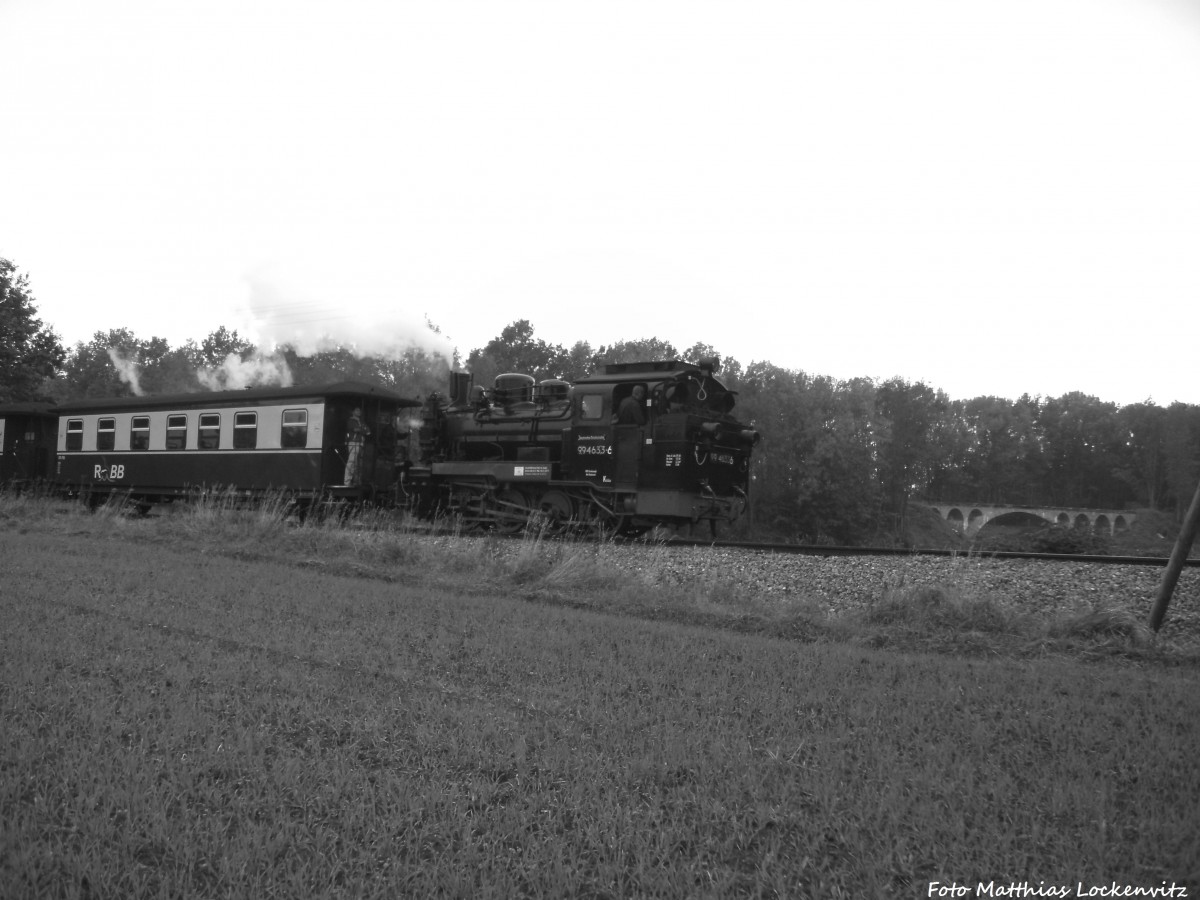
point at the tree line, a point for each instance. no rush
(840, 461)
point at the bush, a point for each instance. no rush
(1060, 539)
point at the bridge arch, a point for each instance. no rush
(1109, 521)
(1018, 517)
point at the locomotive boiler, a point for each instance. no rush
(623, 450)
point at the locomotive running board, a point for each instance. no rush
(502, 472)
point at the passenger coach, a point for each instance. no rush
(154, 449)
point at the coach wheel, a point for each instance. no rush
(303, 508)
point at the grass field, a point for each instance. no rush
(217, 704)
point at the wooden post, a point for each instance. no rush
(1183, 543)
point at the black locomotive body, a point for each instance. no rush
(587, 454)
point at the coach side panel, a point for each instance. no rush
(172, 452)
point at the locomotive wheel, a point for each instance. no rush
(557, 512)
(510, 520)
(600, 522)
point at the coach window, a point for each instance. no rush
(210, 431)
(177, 432)
(74, 434)
(139, 433)
(106, 434)
(295, 429)
(591, 406)
(245, 431)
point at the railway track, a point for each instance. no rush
(825, 550)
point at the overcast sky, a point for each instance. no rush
(995, 197)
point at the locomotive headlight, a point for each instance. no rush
(712, 431)
(749, 436)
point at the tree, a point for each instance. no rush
(813, 472)
(579, 361)
(106, 366)
(908, 448)
(219, 344)
(328, 366)
(1181, 454)
(991, 452)
(31, 354)
(1081, 438)
(640, 350)
(729, 370)
(117, 363)
(517, 350)
(1143, 465)
(166, 369)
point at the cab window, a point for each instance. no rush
(591, 406)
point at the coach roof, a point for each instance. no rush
(247, 397)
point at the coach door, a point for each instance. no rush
(367, 458)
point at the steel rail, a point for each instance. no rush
(829, 550)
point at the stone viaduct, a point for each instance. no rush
(968, 518)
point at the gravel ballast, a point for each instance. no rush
(838, 584)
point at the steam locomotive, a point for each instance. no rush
(633, 446)
(623, 450)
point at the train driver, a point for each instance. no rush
(632, 410)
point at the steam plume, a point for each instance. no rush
(312, 318)
(128, 370)
(236, 373)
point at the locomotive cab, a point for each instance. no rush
(687, 458)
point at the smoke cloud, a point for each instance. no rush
(236, 373)
(312, 317)
(128, 370)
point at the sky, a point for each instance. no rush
(990, 196)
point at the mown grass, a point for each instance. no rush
(236, 707)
